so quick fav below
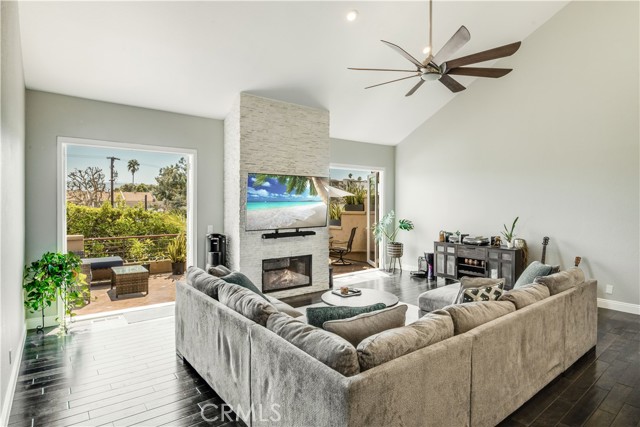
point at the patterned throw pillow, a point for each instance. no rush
(483, 293)
(467, 282)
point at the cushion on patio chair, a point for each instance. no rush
(104, 262)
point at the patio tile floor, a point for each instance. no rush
(161, 289)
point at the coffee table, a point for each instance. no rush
(368, 297)
(130, 279)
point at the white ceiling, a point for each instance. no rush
(195, 57)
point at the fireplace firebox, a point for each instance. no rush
(286, 273)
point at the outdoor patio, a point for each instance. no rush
(162, 288)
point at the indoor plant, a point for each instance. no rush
(509, 234)
(177, 251)
(53, 276)
(387, 228)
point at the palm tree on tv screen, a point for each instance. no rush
(296, 184)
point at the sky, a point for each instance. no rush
(341, 174)
(272, 191)
(81, 156)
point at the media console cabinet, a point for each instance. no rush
(454, 260)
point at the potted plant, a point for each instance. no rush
(335, 213)
(355, 202)
(177, 251)
(509, 234)
(387, 228)
(54, 276)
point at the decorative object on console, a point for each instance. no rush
(381, 230)
(439, 67)
(477, 240)
(496, 241)
(286, 201)
(509, 234)
(316, 316)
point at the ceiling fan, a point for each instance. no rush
(439, 67)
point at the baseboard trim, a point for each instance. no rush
(625, 307)
(34, 322)
(13, 380)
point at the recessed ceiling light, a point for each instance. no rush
(352, 15)
(426, 50)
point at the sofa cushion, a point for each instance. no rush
(355, 329)
(218, 270)
(562, 281)
(246, 302)
(526, 295)
(240, 279)
(316, 316)
(479, 289)
(393, 343)
(283, 307)
(467, 316)
(330, 349)
(205, 283)
(533, 270)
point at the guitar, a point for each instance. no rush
(545, 242)
(577, 261)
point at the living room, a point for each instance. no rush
(552, 142)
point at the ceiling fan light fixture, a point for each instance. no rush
(426, 50)
(430, 77)
(352, 15)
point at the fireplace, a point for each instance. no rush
(286, 273)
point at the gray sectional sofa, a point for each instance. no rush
(477, 377)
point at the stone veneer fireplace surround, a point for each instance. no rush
(266, 136)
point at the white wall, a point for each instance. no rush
(12, 201)
(49, 116)
(555, 142)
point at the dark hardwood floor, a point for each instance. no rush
(130, 375)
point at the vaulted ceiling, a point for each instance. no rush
(195, 57)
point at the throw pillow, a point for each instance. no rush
(240, 279)
(467, 316)
(316, 316)
(479, 289)
(533, 270)
(246, 302)
(219, 271)
(328, 348)
(205, 283)
(393, 343)
(526, 295)
(561, 281)
(355, 329)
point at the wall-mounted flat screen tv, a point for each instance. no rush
(286, 201)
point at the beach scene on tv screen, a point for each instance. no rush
(286, 201)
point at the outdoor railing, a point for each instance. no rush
(129, 248)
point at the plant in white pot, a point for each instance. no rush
(509, 235)
(386, 227)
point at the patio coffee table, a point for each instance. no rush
(368, 297)
(130, 279)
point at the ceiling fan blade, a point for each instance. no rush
(487, 55)
(415, 88)
(391, 81)
(480, 72)
(459, 39)
(404, 53)
(381, 69)
(451, 84)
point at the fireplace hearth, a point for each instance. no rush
(286, 273)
